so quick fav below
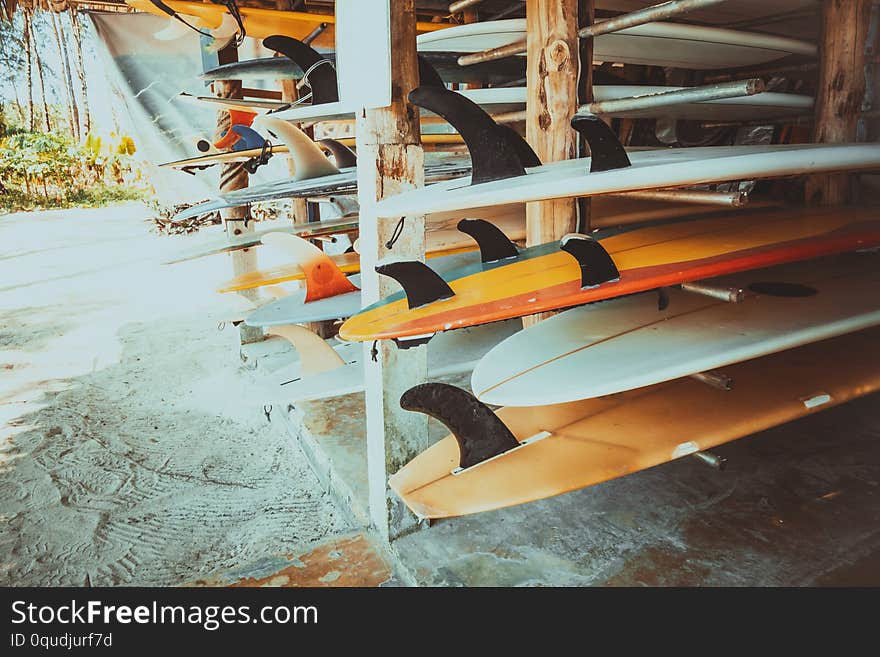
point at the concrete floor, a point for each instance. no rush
(797, 505)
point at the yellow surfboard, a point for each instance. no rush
(564, 447)
(262, 23)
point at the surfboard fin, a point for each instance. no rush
(248, 138)
(494, 244)
(343, 155)
(421, 284)
(480, 434)
(495, 155)
(662, 298)
(596, 265)
(321, 79)
(606, 151)
(323, 277)
(428, 76)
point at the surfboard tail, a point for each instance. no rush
(421, 284)
(494, 244)
(323, 277)
(496, 153)
(318, 69)
(596, 264)
(481, 435)
(606, 151)
(344, 156)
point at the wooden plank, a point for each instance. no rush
(552, 99)
(841, 90)
(232, 177)
(586, 17)
(391, 160)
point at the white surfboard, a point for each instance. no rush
(455, 352)
(654, 44)
(652, 169)
(628, 343)
(293, 309)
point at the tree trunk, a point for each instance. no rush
(42, 82)
(80, 71)
(61, 42)
(28, 68)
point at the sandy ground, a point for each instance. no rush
(133, 445)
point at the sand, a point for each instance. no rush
(133, 445)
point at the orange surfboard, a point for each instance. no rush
(549, 278)
(555, 449)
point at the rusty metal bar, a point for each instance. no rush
(677, 97)
(715, 379)
(461, 5)
(647, 15)
(710, 459)
(726, 294)
(492, 54)
(697, 196)
(314, 34)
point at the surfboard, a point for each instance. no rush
(501, 71)
(654, 44)
(439, 248)
(518, 455)
(454, 353)
(584, 270)
(328, 292)
(627, 343)
(650, 169)
(259, 23)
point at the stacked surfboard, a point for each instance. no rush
(679, 329)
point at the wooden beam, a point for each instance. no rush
(232, 177)
(552, 99)
(841, 90)
(391, 160)
(586, 17)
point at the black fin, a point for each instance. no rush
(662, 298)
(250, 138)
(479, 432)
(421, 284)
(494, 154)
(597, 267)
(322, 79)
(494, 244)
(343, 155)
(606, 151)
(527, 155)
(428, 75)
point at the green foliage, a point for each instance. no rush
(40, 169)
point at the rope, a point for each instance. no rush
(395, 235)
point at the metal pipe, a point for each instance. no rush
(718, 380)
(314, 34)
(647, 15)
(710, 459)
(697, 196)
(494, 53)
(676, 97)
(461, 5)
(727, 294)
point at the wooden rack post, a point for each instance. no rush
(552, 99)
(391, 160)
(841, 90)
(232, 177)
